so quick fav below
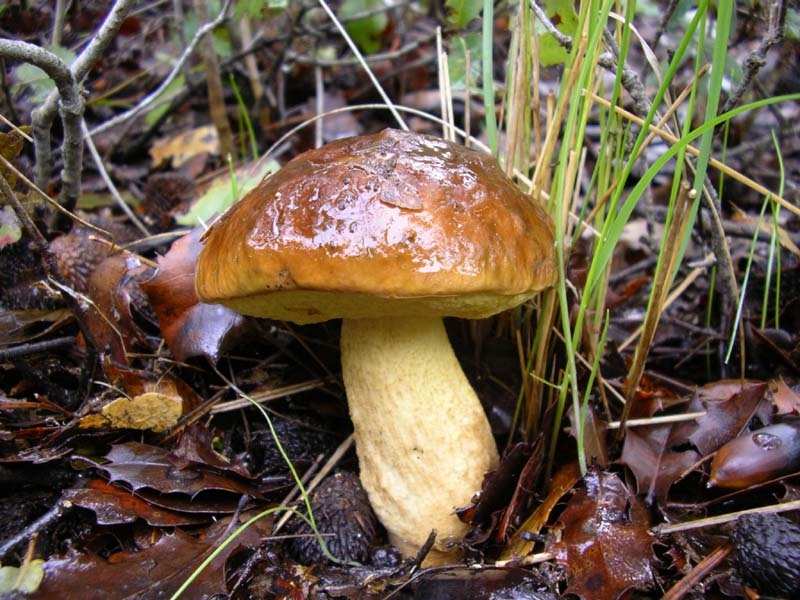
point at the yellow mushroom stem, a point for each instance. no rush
(422, 437)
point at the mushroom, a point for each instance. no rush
(391, 232)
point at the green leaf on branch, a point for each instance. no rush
(465, 53)
(461, 12)
(365, 31)
(561, 14)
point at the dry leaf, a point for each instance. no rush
(180, 148)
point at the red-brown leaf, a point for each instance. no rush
(190, 328)
(142, 466)
(606, 544)
(155, 572)
(113, 506)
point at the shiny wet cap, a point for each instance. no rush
(390, 224)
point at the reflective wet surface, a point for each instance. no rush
(395, 214)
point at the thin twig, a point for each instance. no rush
(81, 66)
(667, 529)
(666, 16)
(214, 89)
(346, 61)
(354, 49)
(33, 347)
(563, 40)
(698, 573)
(630, 81)
(326, 468)
(47, 199)
(148, 100)
(59, 12)
(101, 168)
(268, 396)
(758, 58)
(660, 420)
(722, 167)
(47, 519)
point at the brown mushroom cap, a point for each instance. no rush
(391, 224)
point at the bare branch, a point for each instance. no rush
(70, 107)
(101, 168)
(758, 57)
(43, 117)
(563, 40)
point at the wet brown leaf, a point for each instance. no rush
(114, 506)
(606, 544)
(728, 405)
(655, 465)
(142, 466)
(154, 572)
(190, 328)
(195, 448)
(113, 289)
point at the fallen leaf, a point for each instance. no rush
(25, 579)
(785, 399)
(10, 231)
(190, 328)
(224, 191)
(154, 572)
(728, 407)
(522, 544)
(21, 326)
(114, 506)
(177, 149)
(153, 402)
(143, 466)
(195, 447)
(653, 462)
(606, 546)
(151, 410)
(499, 485)
(11, 145)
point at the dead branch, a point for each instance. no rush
(43, 117)
(70, 108)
